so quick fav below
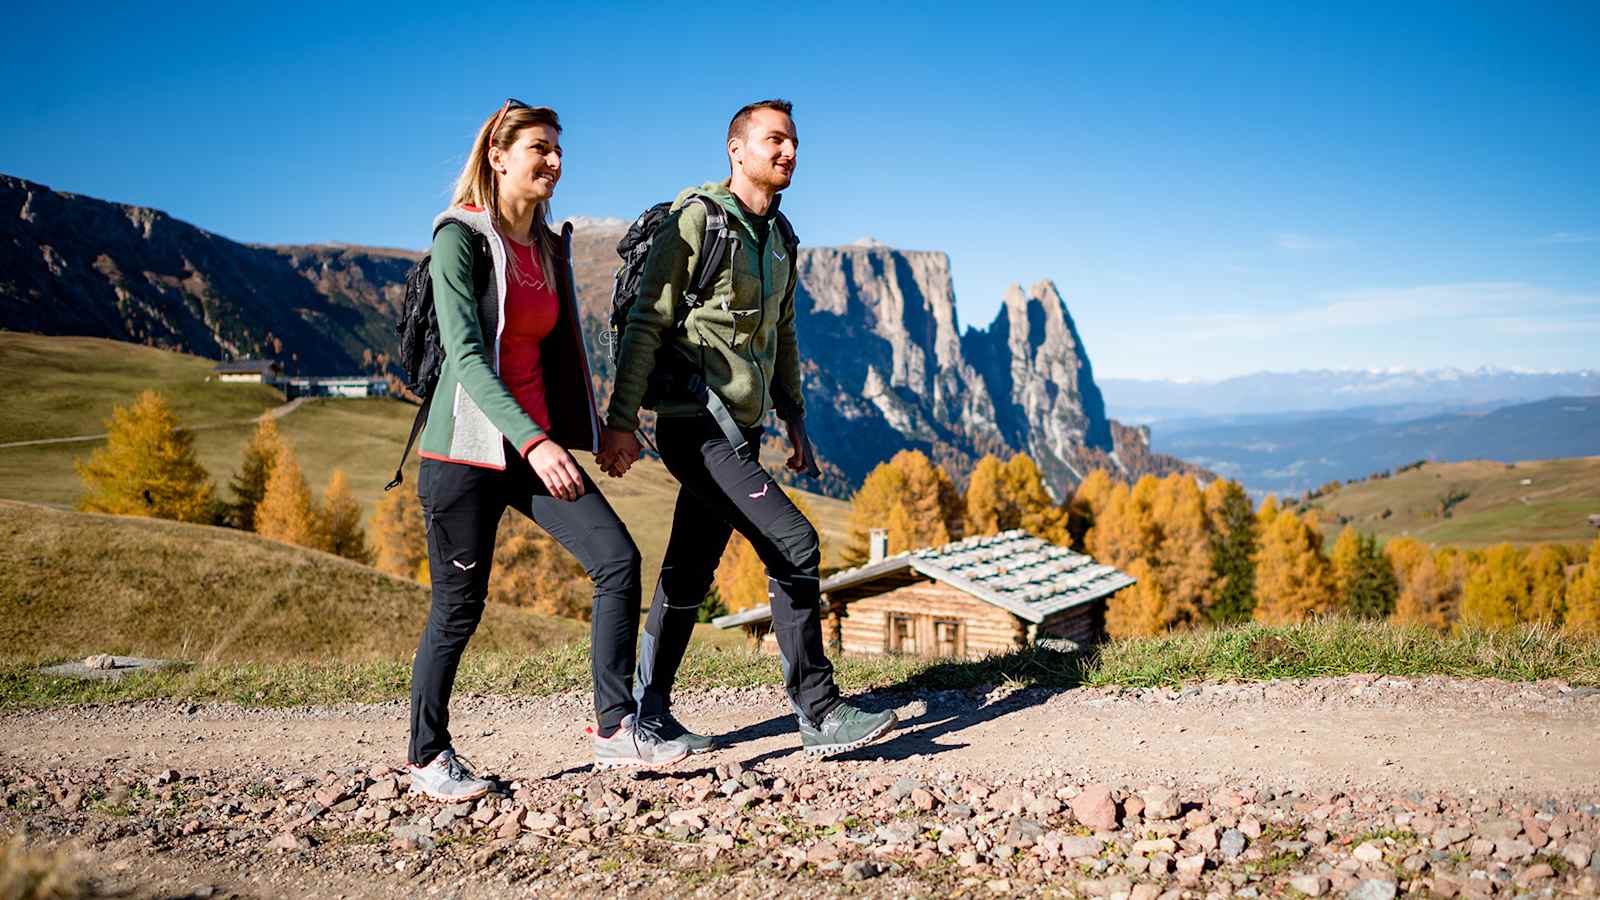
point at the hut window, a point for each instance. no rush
(902, 634)
(947, 637)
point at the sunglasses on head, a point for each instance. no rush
(510, 104)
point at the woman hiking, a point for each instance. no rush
(513, 398)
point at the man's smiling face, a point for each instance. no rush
(769, 149)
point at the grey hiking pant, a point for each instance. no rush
(721, 491)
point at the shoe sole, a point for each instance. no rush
(437, 798)
(835, 749)
(638, 763)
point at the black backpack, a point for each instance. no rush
(672, 376)
(421, 353)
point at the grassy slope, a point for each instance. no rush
(363, 437)
(66, 386)
(78, 583)
(1247, 652)
(1499, 507)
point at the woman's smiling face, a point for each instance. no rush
(531, 166)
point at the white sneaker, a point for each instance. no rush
(447, 778)
(635, 745)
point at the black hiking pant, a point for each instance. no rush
(720, 492)
(462, 506)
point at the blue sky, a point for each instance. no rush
(1214, 190)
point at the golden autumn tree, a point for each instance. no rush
(1162, 523)
(913, 498)
(1294, 581)
(1427, 595)
(531, 569)
(147, 467)
(1583, 596)
(342, 534)
(1123, 528)
(287, 512)
(986, 510)
(1145, 608)
(1004, 496)
(1498, 588)
(741, 580)
(1091, 496)
(249, 484)
(399, 535)
(1547, 583)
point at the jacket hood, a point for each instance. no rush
(720, 192)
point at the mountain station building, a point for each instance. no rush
(966, 599)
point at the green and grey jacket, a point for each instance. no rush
(743, 334)
(473, 413)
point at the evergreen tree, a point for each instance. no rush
(1233, 549)
(1367, 585)
(147, 467)
(286, 512)
(1583, 596)
(250, 482)
(342, 533)
(399, 535)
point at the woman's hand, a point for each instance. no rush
(557, 469)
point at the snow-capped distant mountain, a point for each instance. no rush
(1425, 390)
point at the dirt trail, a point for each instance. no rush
(277, 412)
(1373, 786)
(1407, 734)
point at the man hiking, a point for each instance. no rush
(740, 340)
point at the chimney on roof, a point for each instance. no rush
(878, 542)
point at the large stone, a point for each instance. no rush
(1232, 843)
(1075, 846)
(1310, 885)
(1372, 889)
(1094, 807)
(1160, 803)
(1369, 851)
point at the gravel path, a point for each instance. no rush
(260, 802)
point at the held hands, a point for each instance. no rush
(557, 469)
(619, 450)
(802, 459)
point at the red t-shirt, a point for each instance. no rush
(532, 310)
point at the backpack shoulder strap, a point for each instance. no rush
(713, 250)
(791, 241)
(482, 260)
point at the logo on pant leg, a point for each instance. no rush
(761, 493)
(466, 568)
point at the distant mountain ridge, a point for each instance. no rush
(1155, 400)
(887, 366)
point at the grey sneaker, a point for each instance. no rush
(635, 745)
(667, 727)
(845, 728)
(448, 778)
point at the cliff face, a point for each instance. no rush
(77, 265)
(887, 366)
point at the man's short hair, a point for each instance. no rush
(741, 119)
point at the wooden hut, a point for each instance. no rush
(967, 599)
